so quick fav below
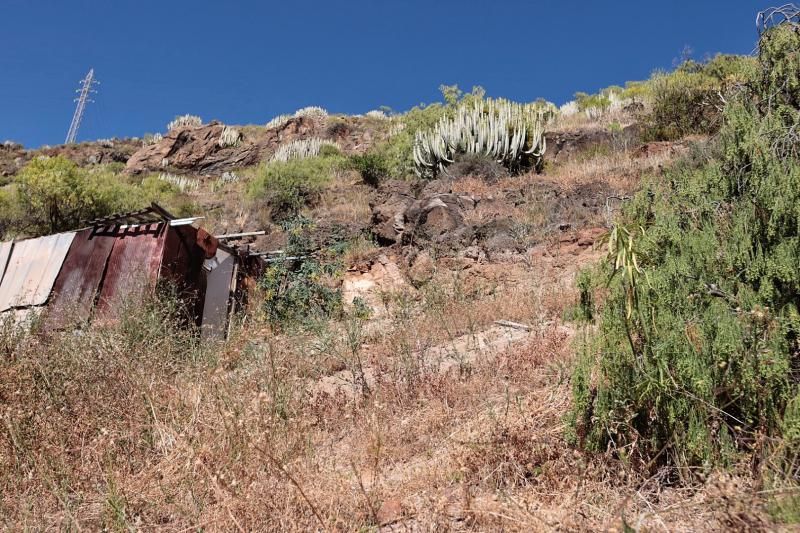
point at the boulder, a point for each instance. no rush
(438, 219)
(388, 212)
(195, 149)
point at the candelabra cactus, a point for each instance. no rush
(301, 149)
(278, 121)
(184, 120)
(152, 139)
(229, 137)
(569, 109)
(182, 183)
(311, 112)
(510, 133)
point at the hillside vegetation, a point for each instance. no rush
(491, 315)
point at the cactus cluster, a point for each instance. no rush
(152, 139)
(311, 112)
(228, 137)
(569, 109)
(184, 120)
(229, 177)
(278, 121)
(301, 149)
(183, 183)
(510, 133)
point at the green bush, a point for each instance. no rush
(695, 357)
(294, 292)
(372, 167)
(288, 186)
(54, 194)
(690, 99)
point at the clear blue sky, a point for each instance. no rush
(244, 62)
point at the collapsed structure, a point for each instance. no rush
(92, 273)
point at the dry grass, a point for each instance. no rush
(344, 201)
(136, 426)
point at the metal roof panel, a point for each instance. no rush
(5, 253)
(32, 269)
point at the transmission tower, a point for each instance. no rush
(86, 89)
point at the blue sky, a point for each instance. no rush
(244, 62)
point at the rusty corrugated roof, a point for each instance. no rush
(32, 269)
(134, 261)
(78, 283)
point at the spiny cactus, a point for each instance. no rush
(152, 139)
(301, 149)
(569, 109)
(183, 183)
(184, 120)
(278, 121)
(229, 177)
(510, 133)
(229, 137)
(377, 114)
(311, 112)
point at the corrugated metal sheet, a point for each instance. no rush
(182, 266)
(78, 283)
(218, 292)
(132, 265)
(5, 253)
(32, 270)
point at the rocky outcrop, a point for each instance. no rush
(13, 156)
(195, 149)
(564, 145)
(388, 220)
(438, 219)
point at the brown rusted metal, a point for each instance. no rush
(207, 242)
(150, 215)
(181, 266)
(78, 284)
(132, 267)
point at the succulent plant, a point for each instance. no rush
(149, 139)
(311, 112)
(510, 133)
(278, 121)
(569, 109)
(184, 120)
(229, 137)
(377, 114)
(301, 149)
(183, 183)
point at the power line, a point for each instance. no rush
(86, 89)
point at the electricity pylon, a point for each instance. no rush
(86, 89)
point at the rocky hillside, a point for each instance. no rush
(476, 315)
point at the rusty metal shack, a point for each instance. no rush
(91, 274)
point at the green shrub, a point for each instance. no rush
(372, 167)
(690, 99)
(592, 101)
(288, 186)
(294, 292)
(695, 358)
(54, 194)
